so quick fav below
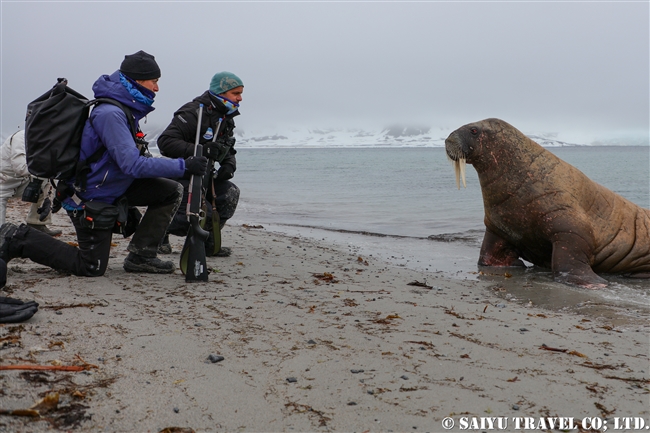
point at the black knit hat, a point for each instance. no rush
(140, 66)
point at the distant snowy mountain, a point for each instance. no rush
(392, 136)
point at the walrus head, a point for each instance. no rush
(458, 149)
(466, 144)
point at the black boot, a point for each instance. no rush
(45, 229)
(165, 247)
(224, 252)
(151, 265)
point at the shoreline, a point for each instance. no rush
(454, 256)
(314, 335)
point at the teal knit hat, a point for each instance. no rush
(224, 81)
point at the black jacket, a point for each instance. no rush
(177, 140)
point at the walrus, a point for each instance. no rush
(543, 210)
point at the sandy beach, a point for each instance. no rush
(294, 334)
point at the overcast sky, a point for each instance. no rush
(551, 67)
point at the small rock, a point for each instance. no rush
(354, 371)
(352, 403)
(292, 380)
(405, 377)
(515, 407)
(59, 312)
(311, 342)
(523, 330)
(176, 410)
(215, 358)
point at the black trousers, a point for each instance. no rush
(161, 197)
(226, 198)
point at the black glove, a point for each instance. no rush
(225, 172)
(56, 205)
(61, 192)
(15, 310)
(45, 209)
(218, 149)
(196, 165)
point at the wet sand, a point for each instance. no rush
(314, 337)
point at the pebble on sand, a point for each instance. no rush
(215, 358)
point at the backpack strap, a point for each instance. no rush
(83, 166)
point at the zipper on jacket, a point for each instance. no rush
(103, 180)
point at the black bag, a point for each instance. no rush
(128, 217)
(53, 128)
(99, 216)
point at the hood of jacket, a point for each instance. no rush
(110, 86)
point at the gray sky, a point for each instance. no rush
(551, 67)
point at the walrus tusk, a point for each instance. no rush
(459, 169)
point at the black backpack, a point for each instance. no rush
(53, 128)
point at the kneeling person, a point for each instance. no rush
(221, 104)
(121, 171)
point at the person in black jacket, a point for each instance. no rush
(221, 106)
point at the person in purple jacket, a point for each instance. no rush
(122, 171)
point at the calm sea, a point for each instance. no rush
(402, 205)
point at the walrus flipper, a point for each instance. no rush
(496, 251)
(570, 263)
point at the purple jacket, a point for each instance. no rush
(110, 177)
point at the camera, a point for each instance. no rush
(32, 191)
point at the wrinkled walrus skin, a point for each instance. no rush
(544, 210)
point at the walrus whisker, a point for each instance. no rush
(463, 164)
(459, 171)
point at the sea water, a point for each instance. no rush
(402, 205)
